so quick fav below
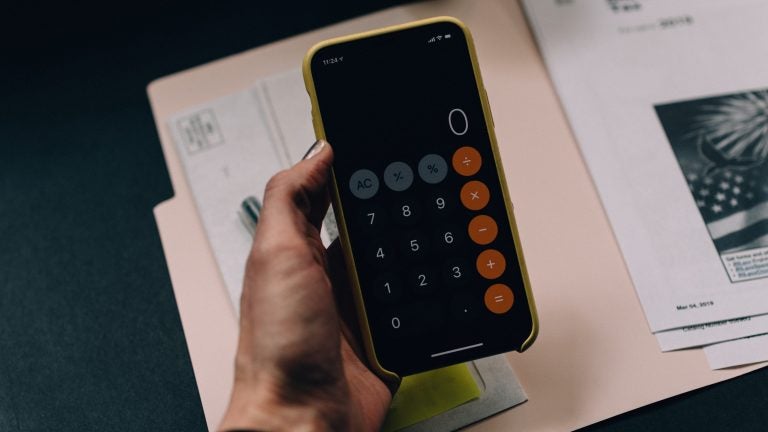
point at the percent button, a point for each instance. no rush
(433, 168)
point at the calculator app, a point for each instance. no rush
(421, 198)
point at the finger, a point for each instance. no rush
(302, 190)
(345, 303)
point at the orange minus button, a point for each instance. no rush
(499, 298)
(483, 229)
(475, 195)
(491, 264)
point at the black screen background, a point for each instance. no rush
(388, 100)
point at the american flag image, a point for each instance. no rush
(734, 205)
(721, 144)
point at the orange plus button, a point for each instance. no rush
(491, 263)
(467, 161)
(483, 229)
(475, 195)
(499, 298)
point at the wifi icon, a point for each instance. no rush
(439, 37)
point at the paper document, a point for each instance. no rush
(739, 352)
(230, 147)
(668, 101)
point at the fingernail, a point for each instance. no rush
(316, 148)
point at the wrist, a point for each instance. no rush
(260, 408)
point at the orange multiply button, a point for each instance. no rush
(475, 195)
(499, 298)
(482, 229)
(467, 161)
(491, 264)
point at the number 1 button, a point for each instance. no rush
(387, 288)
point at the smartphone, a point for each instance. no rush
(418, 190)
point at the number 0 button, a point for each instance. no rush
(364, 184)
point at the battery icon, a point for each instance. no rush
(448, 36)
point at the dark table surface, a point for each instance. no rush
(90, 337)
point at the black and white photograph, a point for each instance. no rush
(721, 144)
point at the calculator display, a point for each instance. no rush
(421, 198)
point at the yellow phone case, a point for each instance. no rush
(370, 349)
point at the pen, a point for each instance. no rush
(249, 212)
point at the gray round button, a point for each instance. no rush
(364, 184)
(398, 176)
(433, 168)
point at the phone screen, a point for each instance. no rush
(397, 107)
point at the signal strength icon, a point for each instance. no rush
(431, 40)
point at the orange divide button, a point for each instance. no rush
(467, 161)
(483, 229)
(491, 264)
(499, 298)
(475, 195)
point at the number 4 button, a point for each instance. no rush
(379, 253)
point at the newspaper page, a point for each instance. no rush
(669, 104)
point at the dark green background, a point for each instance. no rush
(90, 337)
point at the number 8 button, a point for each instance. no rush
(406, 212)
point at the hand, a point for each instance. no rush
(296, 368)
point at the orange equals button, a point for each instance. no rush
(499, 298)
